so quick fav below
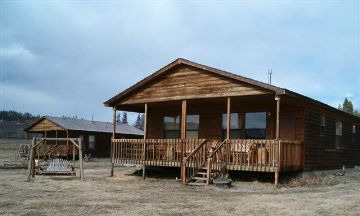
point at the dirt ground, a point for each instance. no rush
(130, 195)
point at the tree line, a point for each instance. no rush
(12, 115)
(139, 122)
(348, 107)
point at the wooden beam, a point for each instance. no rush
(145, 137)
(112, 150)
(30, 159)
(277, 99)
(67, 136)
(81, 161)
(183, 120)
(183, 137)
(145, 121)
(228, 118)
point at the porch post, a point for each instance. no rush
(112, 159)
(277, 99)
(145, 137)
(228, 121)
(228, 113)
(277, 136)
(183, 137)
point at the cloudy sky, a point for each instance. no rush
(67, 58)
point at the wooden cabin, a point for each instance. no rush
(208, 121)
(95, 135)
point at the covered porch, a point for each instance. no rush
(259, 133)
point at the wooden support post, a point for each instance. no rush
(277, 137)
(26, 135)
(81, 160)
(183, 141)
(112, 151)
(228, 118)
(33, 161)
(67, 136)
(30, 159)
(145, 137)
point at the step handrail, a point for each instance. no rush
(203, 142)
(198, 153)
(210, 158)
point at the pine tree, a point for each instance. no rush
(348, 106)
(118, 118)
(137, 123)
(142, 120)
(124, 119)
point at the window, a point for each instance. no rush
(171, 127)
(322, 125)
(91, 142)
(353, 132)
(338, 135)
(192, 126)
(235, 125)
(255, 125)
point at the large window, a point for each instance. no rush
(192, 126)
(91, 142)
(255, 125)
(338, 135)
(171, 127)
(235, 125)
(322, 125)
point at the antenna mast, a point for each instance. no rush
(269, 76)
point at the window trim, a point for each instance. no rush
(94, 142)
(338, 136)
(171, 130)
(322, 127)
(192, 130)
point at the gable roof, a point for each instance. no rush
(181, 61)
(91, 126)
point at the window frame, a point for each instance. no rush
(264, 129)
(322, 125)
(353, 132)
(240, 128)
(338, 134)
(91, 144)
(192, 130)
(171, 130)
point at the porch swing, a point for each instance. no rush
(50, 161)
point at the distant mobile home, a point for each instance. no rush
(95, 135)
(207, 121)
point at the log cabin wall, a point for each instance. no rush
(186, 82)
(320, 150)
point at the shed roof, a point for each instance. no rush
(87, 125)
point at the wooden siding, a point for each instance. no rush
(45, 125)
(187, 83)
(210, 127)
(320, 151)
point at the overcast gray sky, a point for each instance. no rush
(67, 58)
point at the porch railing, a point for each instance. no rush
(155, 152)
(236, 154)
(193, 162)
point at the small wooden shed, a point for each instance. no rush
(95, 135)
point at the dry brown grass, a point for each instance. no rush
(130, 195)
(312, 181)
